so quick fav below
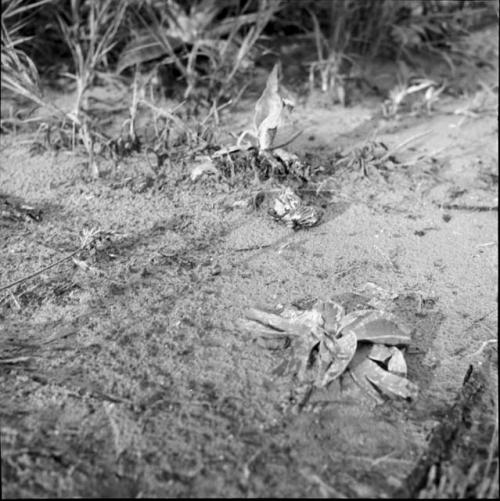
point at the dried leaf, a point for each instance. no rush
(257, 329)
(311, 319)
(286, 157)
(304, 354)
(206, 166)
(281, 326)
(268, 111)
(345, 348)
(286, 201)
(353, 318)
(390, 384)
(366, 372)
(358, 369)
(397, 362)
(380, 353)
(378, 327)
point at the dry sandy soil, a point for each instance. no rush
(123, 372)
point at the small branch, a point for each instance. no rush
(286, 143)
(482, 347)
(400, 145)
(85, 243)
(475, 208)
(251, 248)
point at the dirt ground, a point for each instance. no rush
(124, 373)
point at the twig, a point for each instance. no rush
(85, 243)
(15, 360)
(478, 208)
(252, 247)
(400, 145)
(286, 143)
(235, 148)
(483, 346)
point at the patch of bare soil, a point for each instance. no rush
(123, 371)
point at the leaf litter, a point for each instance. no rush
(326, 344)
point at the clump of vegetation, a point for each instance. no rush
(200, 47)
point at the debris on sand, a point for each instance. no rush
(203, 166)
(326, 344)
(289, 209)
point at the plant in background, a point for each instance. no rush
(341, 29)
(19, 73)
(427, 90)
(89, 31)
(328, 63)
(205, 44)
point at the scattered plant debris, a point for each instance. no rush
(289, 209)
(326, 344)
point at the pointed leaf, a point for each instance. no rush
(257, 329)
(397, 362)
(353, 318)
(283, 325)
(263, 103)
(345, 348)
(304, 353)
(380, 353)
(145, 47)
(311, 319)
(268, 110)
(359, 378)
(379, 327)
(266, 136)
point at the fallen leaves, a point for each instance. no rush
(327, 344)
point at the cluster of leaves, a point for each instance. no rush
(346, 29)
(380, 27)
(207, 44)
(327, 343)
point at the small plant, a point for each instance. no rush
(89, 31)
(410, 85)
(19, 73)
(328, 64)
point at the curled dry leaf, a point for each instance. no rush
(324, 345)
(367, 372)
(390, 384)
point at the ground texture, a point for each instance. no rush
(123, 371)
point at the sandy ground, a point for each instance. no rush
(129, 377)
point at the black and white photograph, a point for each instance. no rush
(249, 249)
